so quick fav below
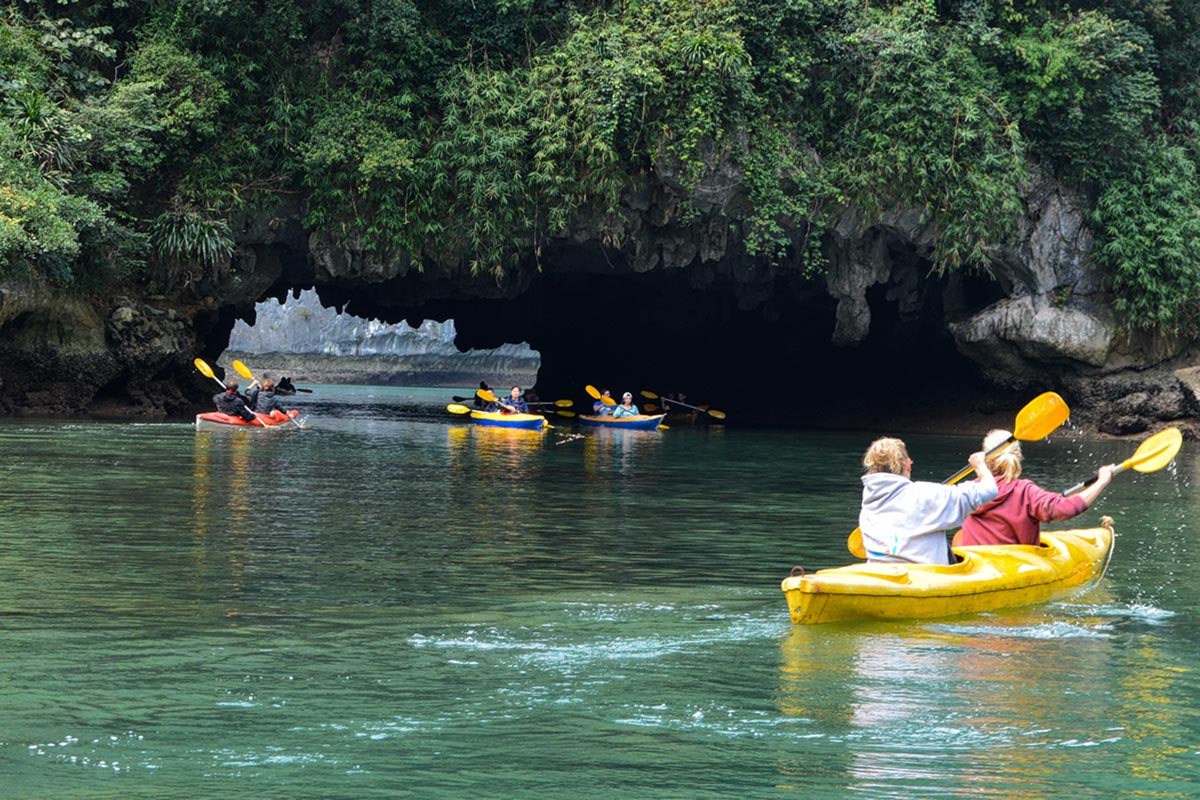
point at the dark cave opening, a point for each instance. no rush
(749, 340)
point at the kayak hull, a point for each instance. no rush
(989, 577)
(637, 422)
(212, 420)
(496, 419)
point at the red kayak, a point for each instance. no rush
(215, 419)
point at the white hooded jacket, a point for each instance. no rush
(904, 521)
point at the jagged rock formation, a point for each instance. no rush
(309, 342)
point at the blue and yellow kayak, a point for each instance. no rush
(498, 419)
(988, 577)
(635, 422)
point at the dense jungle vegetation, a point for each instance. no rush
(469, 131)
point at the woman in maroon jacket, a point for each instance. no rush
(1017, 513)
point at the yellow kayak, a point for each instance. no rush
(988, 577)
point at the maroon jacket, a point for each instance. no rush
(1015, 516)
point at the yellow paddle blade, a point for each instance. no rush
(592, 391)
(712, 412)
(243, 370)
(650, 407)
(854, 544)
(1156, 452)
(565, 403)
(204, 368)
(486, 394)
(458, 408)
(648, 395)
(567, 414)
(663, 427)
(1040, 417)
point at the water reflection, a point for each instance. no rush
(493, 450)
(1006, 703)
(223, 474)
(607, 451)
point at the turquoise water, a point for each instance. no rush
(397, 604)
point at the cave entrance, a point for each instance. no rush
(756, 343)
(752, 340)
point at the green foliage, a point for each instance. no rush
(354, 164)
(918, 121)
(1149, 225)
(702, 70)
(473, 132)
(186, 235)
(23, 64)
(1087, 90)
(150, 121)
(41, 226)
(786, 186)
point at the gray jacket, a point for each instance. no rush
(263, 401)
(905, 521)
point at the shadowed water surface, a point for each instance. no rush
(393, 604)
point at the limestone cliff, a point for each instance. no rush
(662, 299)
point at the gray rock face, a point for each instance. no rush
(1014, 340)
(303, 325)
(1050, 254)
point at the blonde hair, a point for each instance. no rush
(885, 455)
(1005, 464)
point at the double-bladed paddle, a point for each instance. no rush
(712, 412)
(1153, 454)
(1040, 417)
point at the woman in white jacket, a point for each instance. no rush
(904, 521)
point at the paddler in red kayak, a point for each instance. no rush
(231, 403)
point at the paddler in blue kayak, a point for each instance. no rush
(514, 404)
(627, 408)
(600, 408)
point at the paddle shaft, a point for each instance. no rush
(665, 400)
(490, 396)
(1079, 487)
(967, 470)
